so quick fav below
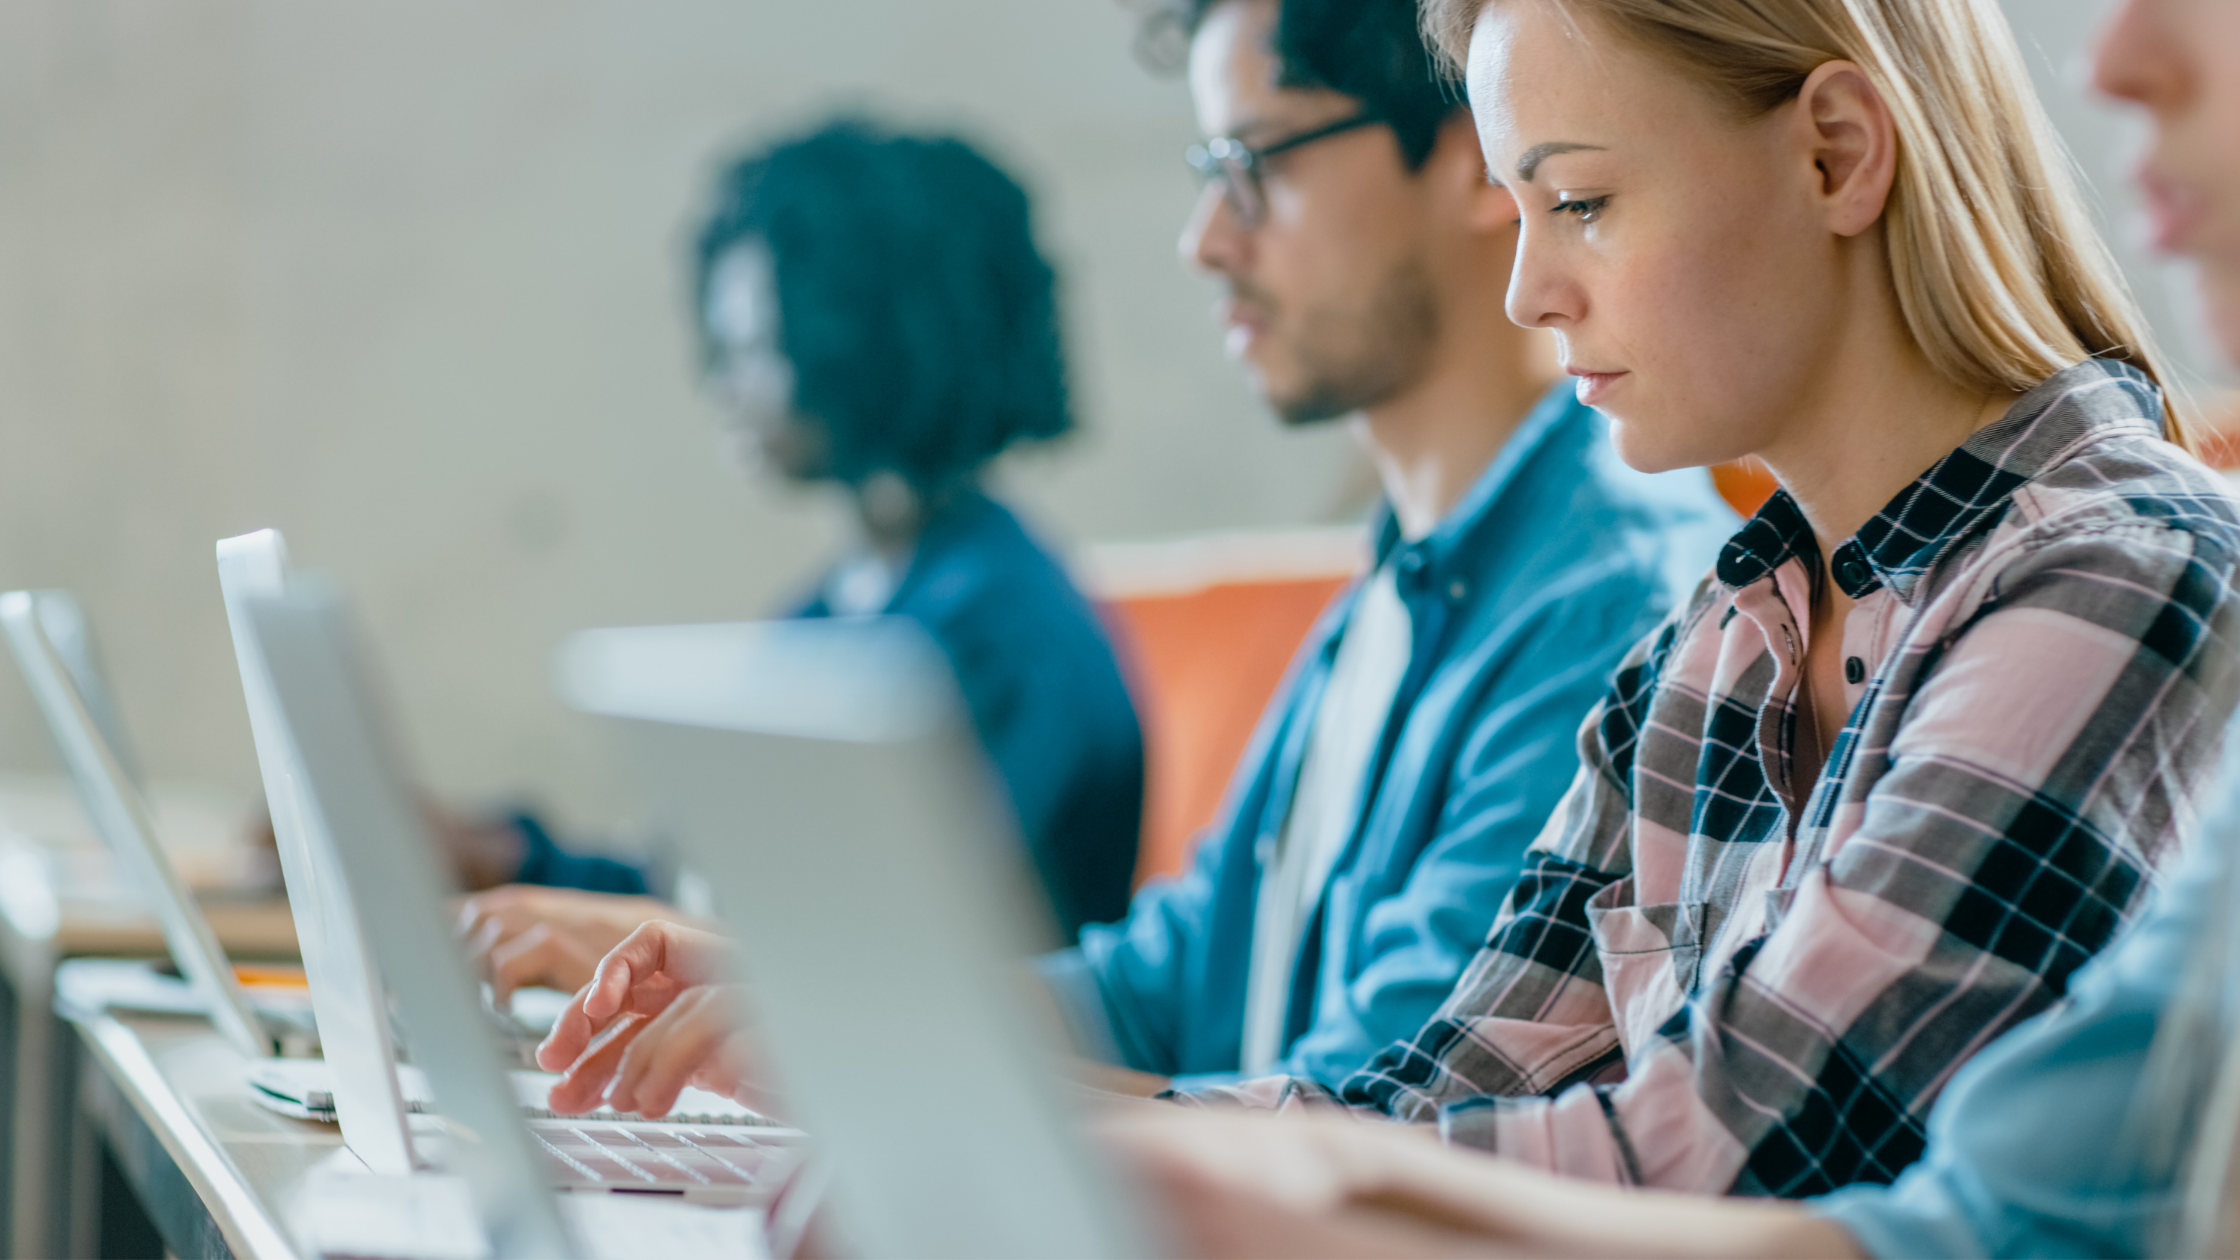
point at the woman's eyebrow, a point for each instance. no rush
(1529, 164)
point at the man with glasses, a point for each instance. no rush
(1430, 722)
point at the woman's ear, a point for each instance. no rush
(1853, 143)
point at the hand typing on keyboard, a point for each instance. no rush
(521, 935)
(656, 1017)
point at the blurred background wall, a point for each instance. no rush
(404, 279)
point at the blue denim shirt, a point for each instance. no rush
(1046, 698)
(2036, 1148)
(1521, 601)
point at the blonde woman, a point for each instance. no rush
(2104, 1127)
(1922, 741)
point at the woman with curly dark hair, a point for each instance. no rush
(874, 317)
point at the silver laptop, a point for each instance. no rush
(822, 776)
(319, 728)
(360, 1070)
(47, 634)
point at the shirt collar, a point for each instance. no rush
(2044, 428)
(1424, 562)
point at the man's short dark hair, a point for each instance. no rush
(920, 319)
(1370, 50)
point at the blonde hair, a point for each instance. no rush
(2000, 275)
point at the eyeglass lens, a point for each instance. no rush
(1240, 182)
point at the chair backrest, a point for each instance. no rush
(1208, 663)
(2220, 437)
(1745, 484)
(1211, 625)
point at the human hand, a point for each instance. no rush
(644, 1064)
(1254, 1184)
(1240, 1183)
(636, 981)
(521, 935)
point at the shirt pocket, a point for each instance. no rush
(1650, 957)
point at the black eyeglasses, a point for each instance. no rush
(1237, 165)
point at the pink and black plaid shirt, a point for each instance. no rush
(1713, 977)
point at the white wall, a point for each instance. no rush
(402, 278)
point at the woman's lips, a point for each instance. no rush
(1595, 386)
(2173, 211)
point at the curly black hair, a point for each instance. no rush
(1370, 50)
(920, 319)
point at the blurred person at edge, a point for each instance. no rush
(876, 319)
(2104, 1126)
(1430, 721)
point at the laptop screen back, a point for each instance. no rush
(822, 775)
(385, 863)
(346, 994)
(113, 803)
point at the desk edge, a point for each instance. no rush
(240, 1215)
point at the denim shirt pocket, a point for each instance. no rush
(1650, 957)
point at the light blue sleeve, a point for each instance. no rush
(1509, 768)
(2033, 1150)
(1162, 990)
(1145, 992)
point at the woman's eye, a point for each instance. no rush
(1585, 209)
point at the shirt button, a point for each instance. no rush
(1411, 566)
(1456, 590)
(1852, 572)
(1854, 670)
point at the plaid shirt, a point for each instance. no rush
(1708, 980)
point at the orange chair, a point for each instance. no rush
(1745, 484)
(1209, 625)
(2220, 435)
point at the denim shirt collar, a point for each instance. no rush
(1437, 562)
(1959, 494)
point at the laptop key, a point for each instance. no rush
(741, 1164)
(584, 1154)
(569, 1167)
(651, 1151)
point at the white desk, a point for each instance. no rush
(58, 900)
(138, 1134)
(167, 1151)
(163, 1110)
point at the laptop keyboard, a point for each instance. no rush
(628, 1158)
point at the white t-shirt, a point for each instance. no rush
(1325, 804)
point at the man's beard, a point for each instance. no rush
(1354, 357)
